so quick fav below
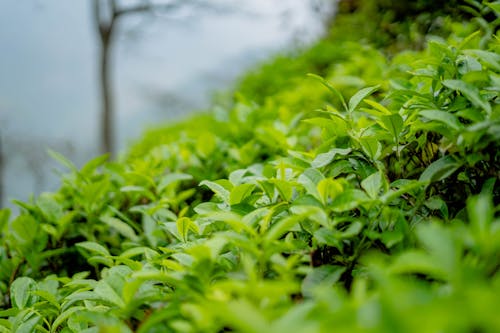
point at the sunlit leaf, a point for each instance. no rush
(94, 248)
(324, 159)
(218, 189)
(360, 96)
(240, 193)
(22, 292)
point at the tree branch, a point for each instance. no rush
(148, 7)
(171, 6)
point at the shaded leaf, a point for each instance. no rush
(440, 169)
(470, 91)
(123, 228)
(325, 275)
(393, 124)
(444, 117)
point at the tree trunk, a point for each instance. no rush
(107, 112)
(105, 19)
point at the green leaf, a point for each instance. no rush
(491, 59)
(325, 275)
(104, 291)
(93, 164)
(4, 218)
(51, 209)
(348, 200)
(373, 184)
(379, 107)
(284, 187)
(331, 88)
(94, 248)
(240, 192)
(184, 225)
(393, 124)
(329, 188)
(218, 189)
(406, 187)
(49, 297)
(495, 6)
(467, 64)
(243, 316)
(416, 261)
(282, 226)
(63, 160)
(172, 178)
(360, 96)
(123, 228)
(206, 144)
(324, 159)
(21, 291)
(439, 243)
(440, 169)
(327, 237)
(5, 326)
(64, 316)
(470, 92)
(353, 230)
(27, 234)
(371, 146)
(312, 213)
(28, 325)
(310, 178)
(444, 117)
(481, 211)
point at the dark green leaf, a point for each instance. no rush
(444, 117)
(393, 124)
(123, 228)
(440, 169)
(325, 275)
(470, 91)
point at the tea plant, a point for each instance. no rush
(363, 199)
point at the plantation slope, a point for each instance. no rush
(362, 197)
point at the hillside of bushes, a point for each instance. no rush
(351, 186)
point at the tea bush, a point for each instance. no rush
(360, 198)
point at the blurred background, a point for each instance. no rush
(164, 64)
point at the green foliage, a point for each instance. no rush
(360, 198)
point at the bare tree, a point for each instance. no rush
(107, 14)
